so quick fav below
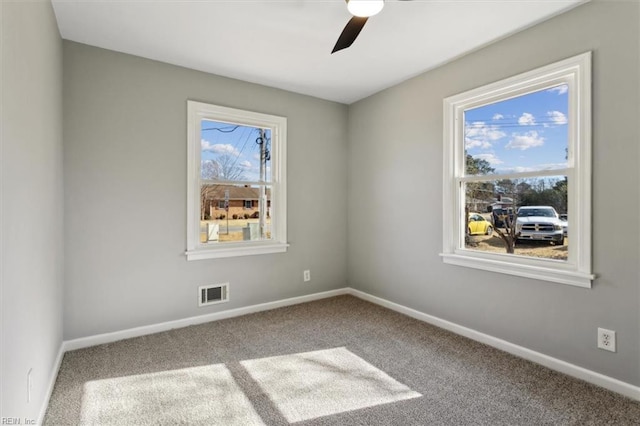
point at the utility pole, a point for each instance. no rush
(262, 202)
(226, 207)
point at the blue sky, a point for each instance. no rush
(235, 141)
(527, 133)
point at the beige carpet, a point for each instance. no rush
(320, 383)
(301, 386)
(200, 395)
(286, 364)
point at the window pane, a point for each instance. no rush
(523, 134)
(232, 213)
(532, 209)
(234, 152)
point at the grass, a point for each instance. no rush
(231, 236)
(486, 243)
(232, 222)
(542, 249)
(223, 236)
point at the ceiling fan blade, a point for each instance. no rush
(350, 33)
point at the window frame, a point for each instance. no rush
(576, 73)
(196, 112)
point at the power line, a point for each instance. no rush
(227, 129)
(259, 141)
(244, 144)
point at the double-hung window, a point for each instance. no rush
(518, 153)
(234, 158)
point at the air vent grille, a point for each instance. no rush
(211, 294)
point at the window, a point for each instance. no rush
(517, 175)
(235, 157)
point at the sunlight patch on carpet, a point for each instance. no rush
(314, 384)
(205, 395)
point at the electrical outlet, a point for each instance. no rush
(307, 275)
(29, 385)
(607, 339)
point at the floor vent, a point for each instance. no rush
(211, 294)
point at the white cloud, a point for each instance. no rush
(245, 164)
(498, 116)
(557, 117)
(489, 158)
(527, 119)
(525, 141)
(480, 128)
(219, 148)
(517, 169)
(560, 90)
(205, 145)
(479, 134)
(536, 168)
(520, 169)
(475, 143)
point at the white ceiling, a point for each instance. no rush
(287, 43)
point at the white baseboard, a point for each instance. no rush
(99, 339)
(52, 382)
(564, 367)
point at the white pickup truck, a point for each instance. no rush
(539, 223)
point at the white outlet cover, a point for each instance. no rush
(307, 275)
(607, 339)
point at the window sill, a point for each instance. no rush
(236, 250)
(557, 275)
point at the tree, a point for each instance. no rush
(511, 189)
(223, 167)
(510, 234)
(478, 166)
(476, 191)
(506, 187)
(561, 187)
(546, 192)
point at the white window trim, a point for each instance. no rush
(196, 112)
(576, 72)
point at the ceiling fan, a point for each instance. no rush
(361, 10)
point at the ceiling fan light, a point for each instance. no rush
(365, 8)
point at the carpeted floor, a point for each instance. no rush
(337, 361)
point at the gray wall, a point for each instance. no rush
(125, 194)
(395, 160)
(31, 204)
(125, 197)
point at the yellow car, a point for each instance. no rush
(478, 225)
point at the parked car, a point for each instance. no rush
(539, 223)
(478, 225)
(500, 214)
(565, 224)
